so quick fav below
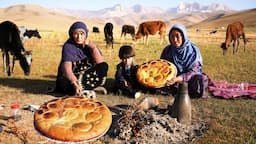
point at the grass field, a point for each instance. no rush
(230, 121)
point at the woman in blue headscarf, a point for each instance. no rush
(80, 57)
(187, 58)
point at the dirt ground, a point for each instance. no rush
(154, 125)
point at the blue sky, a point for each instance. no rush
(99, 4)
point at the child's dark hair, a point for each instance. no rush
(126, 51)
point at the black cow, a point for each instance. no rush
(213, 32)
(25, 33)
(128, 29)
(10, 42)
(108, 32)
(22, 30)
(95, 29)
(32, 33)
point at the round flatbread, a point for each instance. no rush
(73, 119)
(155, 73)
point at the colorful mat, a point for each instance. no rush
(227, 90)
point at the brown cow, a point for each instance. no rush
(234, 32)
(151, 28)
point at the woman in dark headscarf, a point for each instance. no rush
(186, 56)
(78, 53)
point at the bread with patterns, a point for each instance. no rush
(155, 73)
(73, 119)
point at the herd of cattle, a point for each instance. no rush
(12, 38)
(145, 29)
(234, 32)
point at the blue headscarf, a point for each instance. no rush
(186, 55)
(78, 25)
(72, 51)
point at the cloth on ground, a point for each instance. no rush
(228, 90)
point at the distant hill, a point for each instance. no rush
(34, 16)
(195, 18)
(45, 19)
(247, 17)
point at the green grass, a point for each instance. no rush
(230, 121)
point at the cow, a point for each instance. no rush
(130, 29)
(213, 32)
(151, 28)
(108, 32)
(32, 33)
(233, 33)
(95, 29)
(22, 30)
(27, 34)
(10, 42)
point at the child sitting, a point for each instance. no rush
(125, 76)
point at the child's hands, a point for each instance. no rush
(127, 85)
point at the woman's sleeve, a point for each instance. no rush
(195, 69)
(98, 58)
(95, 52)
(67, 71)
(68, 53)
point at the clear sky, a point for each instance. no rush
(100, 4)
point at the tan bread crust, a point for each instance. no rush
(73, 119)
(155, 73)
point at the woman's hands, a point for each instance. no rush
(174, 80)
(77, 87)
(90, 44)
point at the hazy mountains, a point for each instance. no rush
(196, 7)
(119, 10)
(119, 14)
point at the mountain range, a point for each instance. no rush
(191, 15)
(119, 14)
